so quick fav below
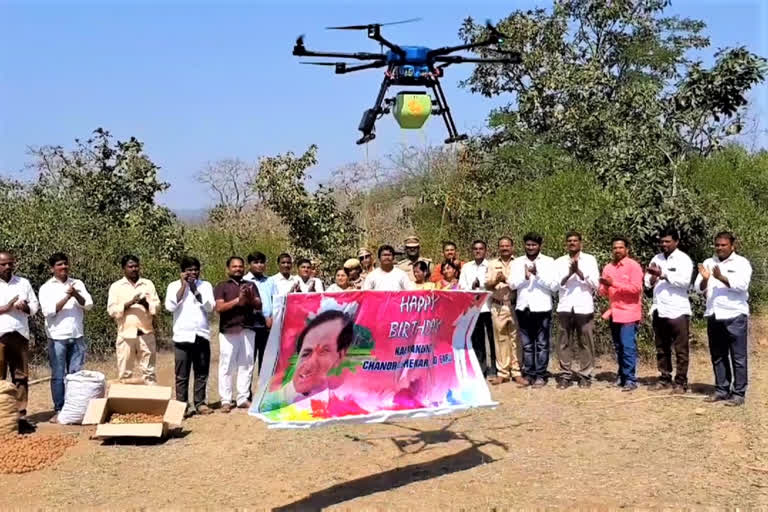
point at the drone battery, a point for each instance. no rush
(412, 109)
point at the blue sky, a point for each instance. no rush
(200, 81)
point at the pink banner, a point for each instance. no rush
(369, 356)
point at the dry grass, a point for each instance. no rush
(596, 448)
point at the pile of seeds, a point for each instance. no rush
(24, 453)
(135, 417)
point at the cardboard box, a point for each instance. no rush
(129, 398)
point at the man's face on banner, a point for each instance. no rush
(319, 353)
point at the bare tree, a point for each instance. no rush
(231, 183)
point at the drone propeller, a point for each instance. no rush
(319, 63)
(364, 27)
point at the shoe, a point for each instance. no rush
(619, 383)
(495, 381)
(54, 418)
(525, 382)
(629, 387)
(585, 383)
(245, 405)
(520, 381)
(735, 401)
(717, 397)
(539, 383)
(564, 384)
(679, 389)
(190, 411)
(660, 385)
(204, 409)
(226, 407)
(26, 426)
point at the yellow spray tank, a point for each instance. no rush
(411, 109)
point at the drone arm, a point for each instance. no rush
(445, 50)
(375, 34)
(371, 65)
(358, 56)
(458, 59)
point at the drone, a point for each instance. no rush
(408, 66)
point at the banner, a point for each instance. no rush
(369, 356)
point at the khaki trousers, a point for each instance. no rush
(505, 340)
(141, 348)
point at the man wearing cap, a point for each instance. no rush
(412, 249)
(353, 268)
(366, 262)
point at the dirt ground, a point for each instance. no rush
(548, 448)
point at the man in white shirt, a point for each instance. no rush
(63, 301)
(534, 279)
(190, 299)
(472, 278)
(669, 275)
(17, 303)
(724, 279)
(282, 283)
(387, 277)
(306, 283)
(578, 276)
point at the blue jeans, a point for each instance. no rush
(65, 357)
(626, 351)
(534, 329)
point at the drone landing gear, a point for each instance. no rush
(371, 115)
(442, 105)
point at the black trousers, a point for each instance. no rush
(728, 348)
(483, 328)
(190, 356)
(671, 335)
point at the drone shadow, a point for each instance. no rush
(467, 458)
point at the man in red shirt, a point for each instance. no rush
(622, 283)
(449, 254)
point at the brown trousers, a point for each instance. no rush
(575, 343)
(671, 334)
(14, 355)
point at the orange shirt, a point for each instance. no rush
(437, 276)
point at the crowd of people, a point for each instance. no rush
(515, 318)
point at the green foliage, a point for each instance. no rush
(317, 226)
(610, 83)
(76, 207)
(212, 244)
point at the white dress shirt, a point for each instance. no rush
(670, 294)
(304, 286)
(724, 302)
(68, 322)
(577, 296)
(190, 316)
(534, 293)
(393, 281)
(15, 320)
(281, 285)
(471, 271)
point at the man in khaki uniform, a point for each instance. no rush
(502, 313)
(353, 269)
(412, 249)
(133, 303)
